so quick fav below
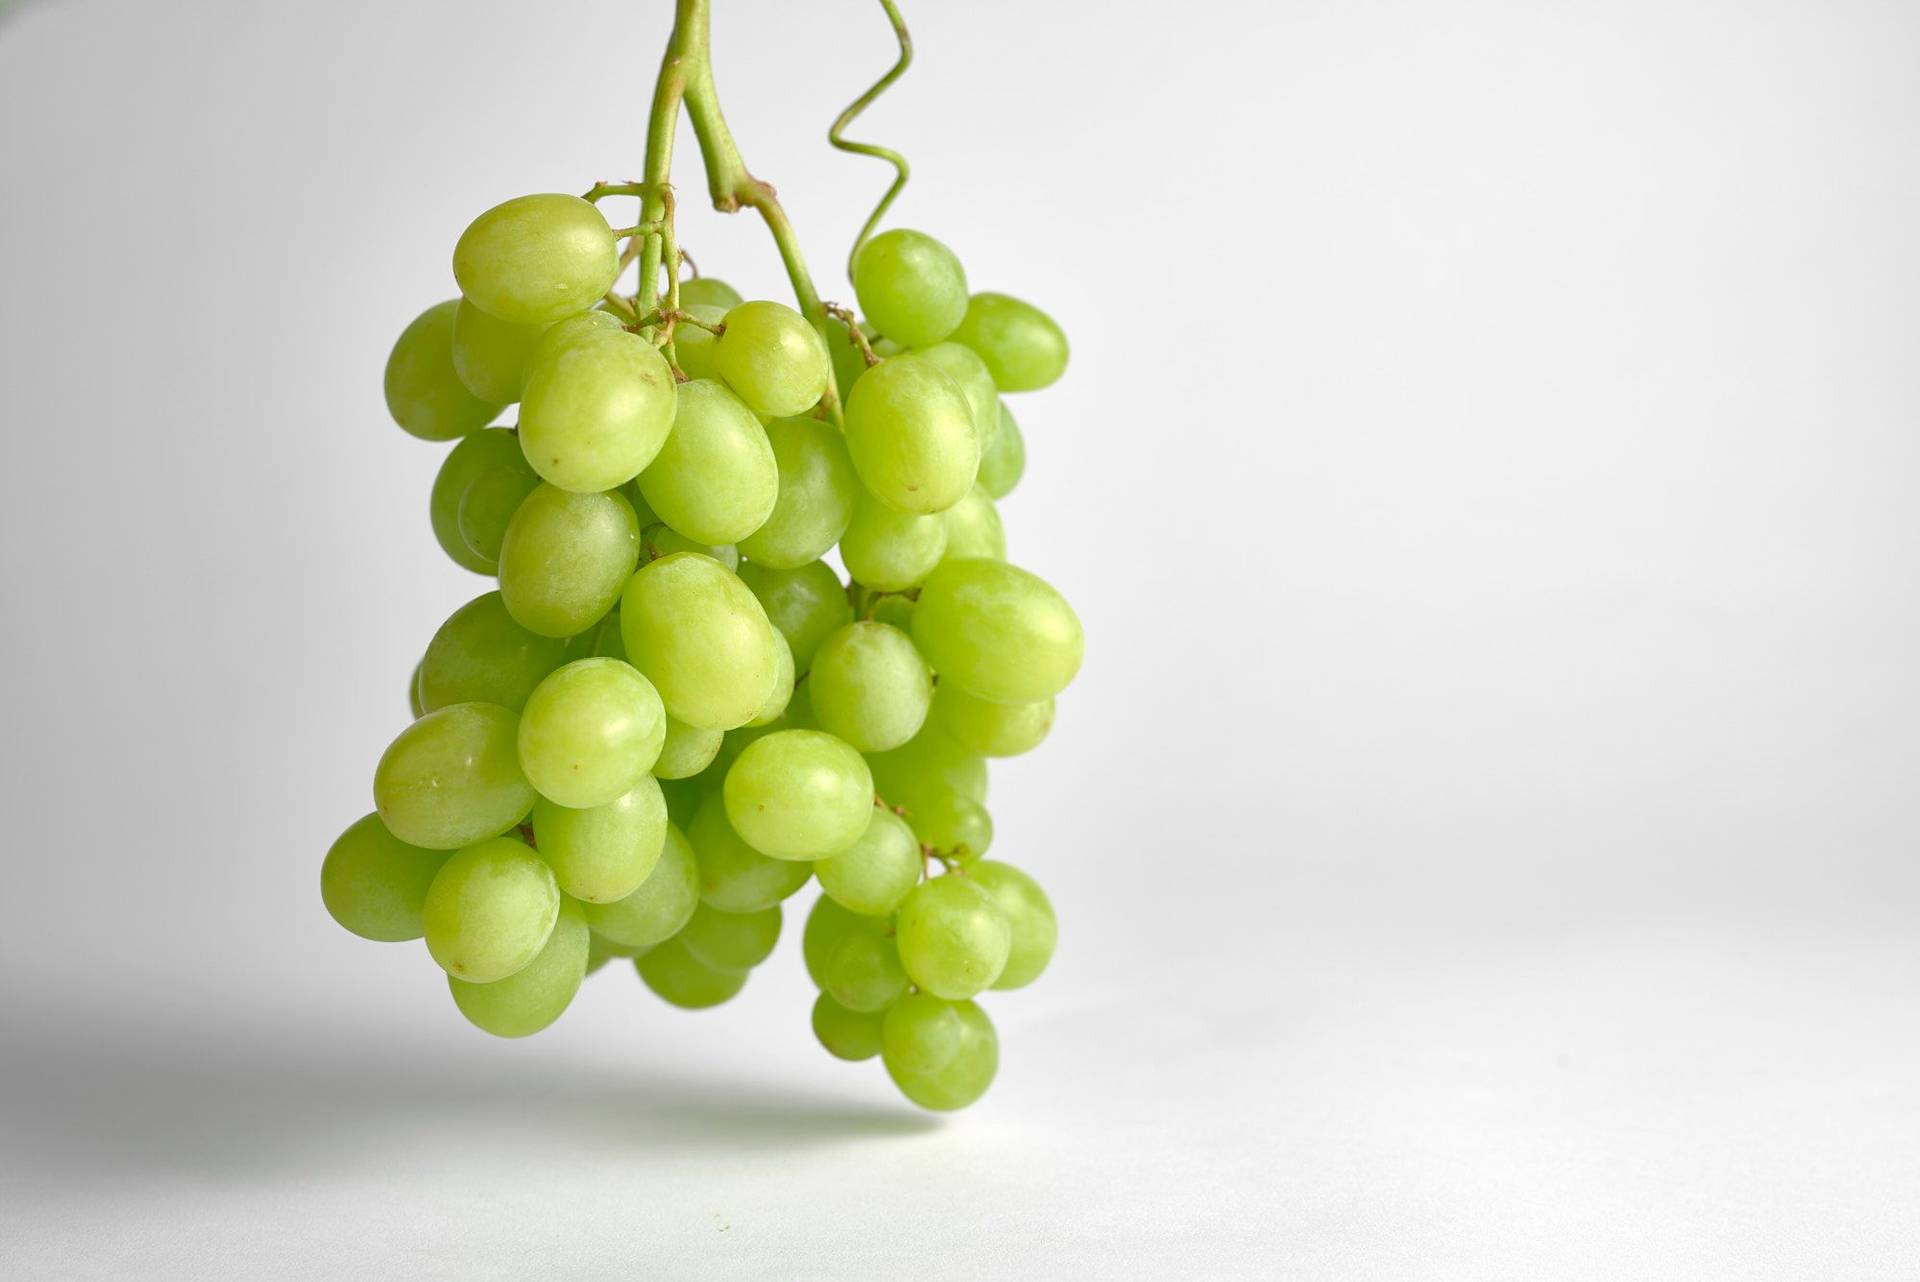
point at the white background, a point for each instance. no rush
(1484, 828)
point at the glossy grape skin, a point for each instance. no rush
(869, 686)
(597, 406)
(375, 884)
(686, 750)
(958, 827)
(815, 495)
(861, 970)
(424, 393)
(590, 732)
(974, 528)
(962, 1079)
(969, 373)
(1023, 348)
(490, 910)
(910, 433)
(772, 359)
(661, 905)
(889, 550)
(536, 259)
(799, 794)
(471, 458)
(693, 346)
(895, 609)
(910, 286)
(875, 873)
(602, 853)
(566, 559)
(489, 503)
(701, 637)
(827, 924)
(952, 937)
(677, 977)
(781, 695)
(705, 291)
(659, 539)
(453, 777)
(847, 1034)
(922, 1033)
(538, 993)
(734, 877)
(928, 766)
(1001, 633)
(480, 655)
(1030, 916)
(715, 480)
(731, 941)
(490, 354)
(806, 604)
(990, 729)
(1005, 457)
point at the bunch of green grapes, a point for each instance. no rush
(673, 713)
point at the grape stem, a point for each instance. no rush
(846, 317)
(836, 135)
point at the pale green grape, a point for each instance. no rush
(922, 1033)
(875, 873)
(705, 291)
(954, 825)
(969, 373)
(805, 604)
(1021, 345)
(680, 979)
(536, 259)
(911, 436)
(895, 609)
(599, 944)
(910, 286)
(862, 971)
(659, 539)
(603, 853)
(490, 354)
(1004, 458)
(1029, 914)
(597, 405)
(660, 907)
(490, 910)
(926, 767)
(424, 394)
(480, 655)
(471, 458)
(702, 638)
(974, 528)
(566, 558)
(375, 884)
(953, 939)
(590, 732)
(731, 941)
(535, 995)
(489, 503)
(817, 489)
(891, 550)
(734, 877)
(847, 1034)
(715, 480)
(964, 1078)
(782, 694)
(693, 346)
(870, 686)
(686, 750)
(453, 777)
(799, 794)
(772, 358)
(990, 729)
(1001, 633)
(827, 924)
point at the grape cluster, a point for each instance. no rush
(673, 713)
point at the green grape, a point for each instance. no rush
(1004, 458)
(962, 1079)
(715, 480)
(927, 767)
(817, 489)
(692, 345)
(848, 361)
(969, 373)
(911, 436)
(660, 907)
(480, 655)
(705, 291)
(490, 910)
(645, 515)
(895, 609)
(535, 995)
(590, 732)
(489, 503)
(453, 777)
(683, 799)
(990, 729)
(974, 528)
(957, 826)
(922, 1033)
(889, 550)
(603, 853)
(536, 259)
(827, 924)
(660, 539)
(1023, 348)
(1030, 916)
(470, 459)
(424, 394)
(862, 971)
(490, 354)
(731, 941)
(686, 750)
(1001, 633)
(702, 638)
(375, 884)
(782, 694)
(911, 286)
(414, 705)
(799, 794)
(875, 873)
(953, 939)
(600, 944)
(678, 978)
(870, 686)
(772, 359)
(805, 604)
(847, 1034)
(597, 406)
(734, 877)
(566, 558)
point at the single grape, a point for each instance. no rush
(490, 354)
(956, 826)
(705, 291)
(772, 358)
(1023, 348)
(692, 345)
(1029, 914)
(731, 941)
(680, 979)
(969, 373)
(799, 794)
(597, 405)
(1004, 458)
(895, 609)
(375, 884)
(538, 993)
(962, 1079)
(927, 767)
(827, 924)
(870, 686)
(974, 528)
(990, 729)
(660, 907)
(566, 559)
(603, 853)
(862, 971)
(817, 489)
(686, 750)
(1001, 633)
(847, 1034)
(910, 286)
(490, 910)
(922, 1033)
(424, 394)
(715, 480)
(805, 604)
(953, 939)
(660, 539)
(536, 259)
(734, 877)
(590, 732)
(774, 709)
(488, 505)
(890, 550)
(480, 655)
(875, 873)
(702, 639)
(471, 458)
(910, 433)
(453, 777)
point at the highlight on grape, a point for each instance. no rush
(672, 713)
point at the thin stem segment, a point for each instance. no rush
(836, 134)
